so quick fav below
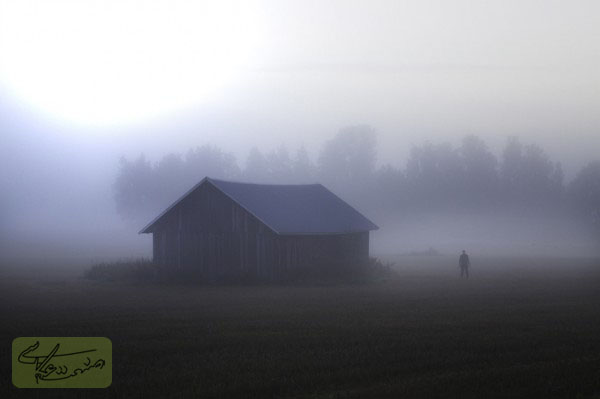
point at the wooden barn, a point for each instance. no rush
(226, 230)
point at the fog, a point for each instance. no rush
(414, 72)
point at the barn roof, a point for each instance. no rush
(288, 209)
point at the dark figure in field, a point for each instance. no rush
(464, 264)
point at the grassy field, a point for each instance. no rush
(522, 327)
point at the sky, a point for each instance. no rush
(276, 72)
(84, 82)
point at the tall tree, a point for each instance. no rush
(480, 172)
(279, 165)
(584, 193)
(169, 180)
(528, 176)
(211, 161)
(557, 180)
(257, 169)
(349, 157)
(390, 189)
(303, 170)
(347, 164)
(512, 164)
(434, 173)
(134, 188)
(142, 189)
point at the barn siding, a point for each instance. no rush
(214, 236)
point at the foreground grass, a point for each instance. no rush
(518, 328)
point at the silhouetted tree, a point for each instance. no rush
(142, 190)
(257, 169)
(279, 165)
(481, 180)
(347, 163)
(436, 177)
(390, 189)
(511, 167)
(434, 174)
(134, 188)
(529, 179)
(210, 161)
(557, 180)
(349, 156)
(303, 170)
(584, 193)
(537, 171)
(169, 179)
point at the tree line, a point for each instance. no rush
(436, 177)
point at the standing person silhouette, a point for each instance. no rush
(464, 264)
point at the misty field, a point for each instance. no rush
(520, 327)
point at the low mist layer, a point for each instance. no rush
(445, 198)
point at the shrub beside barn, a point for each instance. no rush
(223, 230)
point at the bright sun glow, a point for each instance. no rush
(117, 61)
